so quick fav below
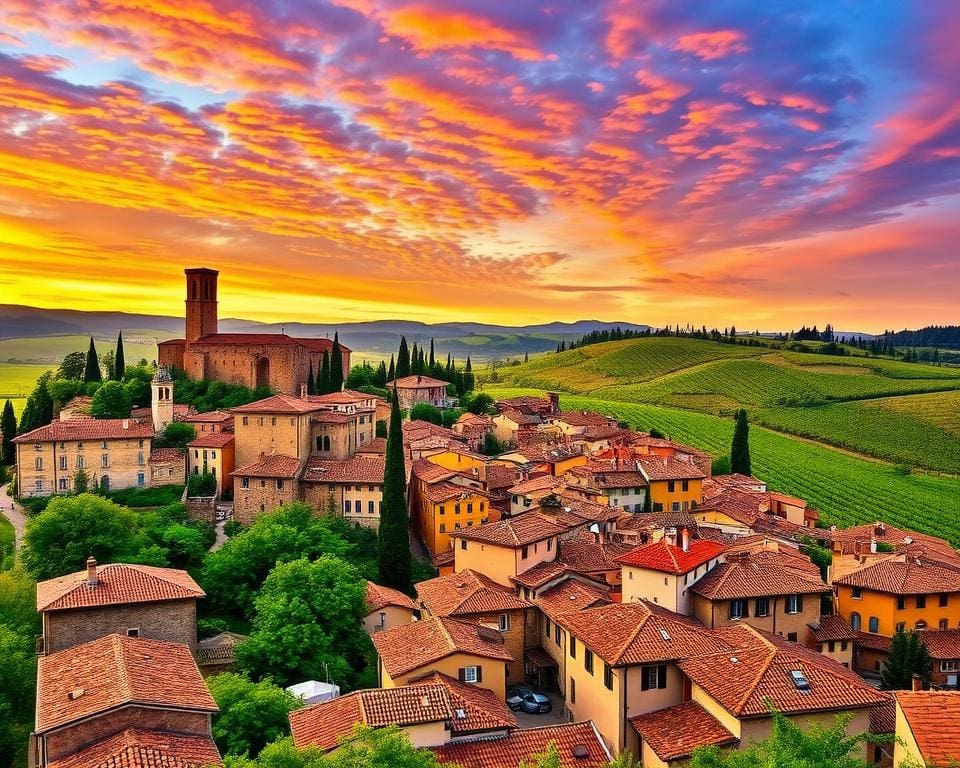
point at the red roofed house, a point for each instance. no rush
(122, 701)
(674, 484)
(131, 600)
(213, 453)
(264, 485)
(387, 608)
(354, 484)
(412, 390)
(272, 360)
(578, 744)
(927, 728)
(663, 573)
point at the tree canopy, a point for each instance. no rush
(908, 657)
(119, 364)
(111, 401)
(251, 716)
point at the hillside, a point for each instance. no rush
(899, 412)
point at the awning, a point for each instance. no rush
(539, 658)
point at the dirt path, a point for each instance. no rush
(14, 513)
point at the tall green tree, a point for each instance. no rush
(393, 538)
(119, 364)
(311, 381)
(323, 377)
(380, 377)
(433, 359)
(111, 401)
(336, 365)
(740, 447)
(403, 359)
(38, 411)
(391, 371)
(8, 426)
(908, 657)
(91, 371)
(251, 714)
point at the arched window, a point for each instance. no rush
(920, 625)
(319, 443)
(326, 442)
(855, 621)
(874, 625)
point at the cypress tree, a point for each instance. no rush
(391, 371)
(394, 561)
(8, 426)
(380, 377)
(38, 411)
(92, 370)
(468, 376)
(403, 359)
(449, 369)
(526, 357)
(740, 448)
(433, 360)
(414, 359)
(323, 378)
(119, 366)
(311, 381)
(336, 365)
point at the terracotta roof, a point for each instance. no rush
(140, 748)
(323, 725)
(475, 709)
(208, 417)
(429, 472)
(437, 492)
(757, 671)
(904, 575)
(467, 593)
(409, 647)
(345, 397)
(219, 649)
(376, 446)
(166, 455)
(639, 633)
(651, 521)
(673, 733)
(357, 469)
(115, 670)
(758, 574)
(932, 717)
(212, 440)
(280, 404)
(274, 465)
(832, 628)
(668, 468)
(117, 584)
(571, 595)
(588, 556)
(416, 382)
(571, 739)
(333, 417)
(883, 717)
(667, 558)
(847, 539)
(514, 531)
(265, 339)
(541, 483)
(942, 643)
(88, 429)
(540, 574)
(873, 642)
(500, 477)
(379, 597)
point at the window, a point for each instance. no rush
(105, 460)
(901, 603)
(279, 484)
(39, 485)
(843, 645)
(944, 600)
(470, 508)
(38, 447)
(944, 624)
(607, 676)
(133, 631)
(832, 645)
(63, 483)
(63, 462)
(763, 607)
(873, 625)
(671, 485)
(573, 647)
(523, 553)
(443, 510)
(588, 660)
(556, 634)
(463, 543)
(141, 479)
(921, 601)
(685, 485)
(79, 446)
(213, 454)
(80, 462)
(273, 421)
(504, 622)
(573, 691)
(855, 621)
(546, 626)
(443, 527)
(675, 506)
(356, 507)
(857, 593)
(900, 626)
(140, 458)
(794, 603)
(244, 421)
(346, 506)
(653, 678)
(948, 665)
(370, 507)
(738, 609)
(456, 509)
(244, 482)
(470, 674)
(38, 463)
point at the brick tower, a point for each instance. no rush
(201, 302)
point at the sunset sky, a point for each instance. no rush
(763, 164)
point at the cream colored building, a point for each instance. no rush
(213, 453)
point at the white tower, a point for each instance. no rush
(161, 400)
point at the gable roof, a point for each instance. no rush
(513, 532)
(416, 382)
(114, 670)
(932, 717)
(467, 593)
(579, 745)
(88, 429)
(379, 597)
(408, 647)
(571, 595)
(656, 468)
(904, 575)
(357, 469)
(212, 440)
(668, 558)
(475, 709)
(942, 643)
(846, 540)
(675, 732)
(757, 574)
(832, 628)
(117, 584)
(141, 748)
(274, 465)
(756, 671)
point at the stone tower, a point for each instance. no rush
(161, 399)
(201, 302)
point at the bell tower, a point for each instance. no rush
(201, 302)
(161, 399)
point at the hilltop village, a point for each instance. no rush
(598, 589)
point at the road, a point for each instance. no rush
(13, 512)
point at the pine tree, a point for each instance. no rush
(908, 657)
(393, 539)
(403, 359)
(336, 365)
(8, 426)
(92, 370)
(468, 380)
(380, 377)
(740, 448)
(414, 359)
(391, 371)
(323, 377)
(119, 366)
(433, 360)
(311, 381)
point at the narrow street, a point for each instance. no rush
(14, 513)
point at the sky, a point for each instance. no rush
(711, 162)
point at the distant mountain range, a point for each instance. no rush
(380, 337)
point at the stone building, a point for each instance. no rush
(131, 600)
(273, 360)
(421, 389)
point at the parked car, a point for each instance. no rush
(536, 704)
(515, 695)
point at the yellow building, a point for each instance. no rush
(387, 608)
(505, 549)
(673, 484)
(664, 573)
(212, 452)
(442, 507)
(833, 637)
(926, 728)
(467, 652)
(355, 484)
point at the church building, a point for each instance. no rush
(276, 360)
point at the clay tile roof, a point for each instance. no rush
(847, 539)
(219, 649)
(166, 455)
(357, 469)
(475, 709)
(115, 670)
(904, 575)
(668, 468)
(467, 593)
(521, 745)
(514, 531)
(323, 725)
(279, 404)
(88, 429)
(586, 556)
(376, 446)
(673, 733)
(540, 574)
(758, 574)
(832, 628)
(541, 483)
(437, 492)
(667, 558)
(208, 417)
(942, 643)
(571, 595)
(883, 717)
(117, 584)
(379, 597)
(274, 465)
(416, 382)
(757, 671)
(409, 647)
(212, 440)
(139, 748)
(639, 633)
(873, 642)
(932, 717)
(429, 472)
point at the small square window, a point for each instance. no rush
(133, 631)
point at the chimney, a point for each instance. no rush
(92, 579)
(685, 540)
(873, 546)
(303, 391)
(916, 683)
(126, 423)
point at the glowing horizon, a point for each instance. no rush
(347, 160)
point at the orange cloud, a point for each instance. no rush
(712, 45)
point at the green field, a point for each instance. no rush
(17, 381)
(905, 413)
(847, 490)
(137, 344)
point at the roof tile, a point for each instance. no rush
(117, 584)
